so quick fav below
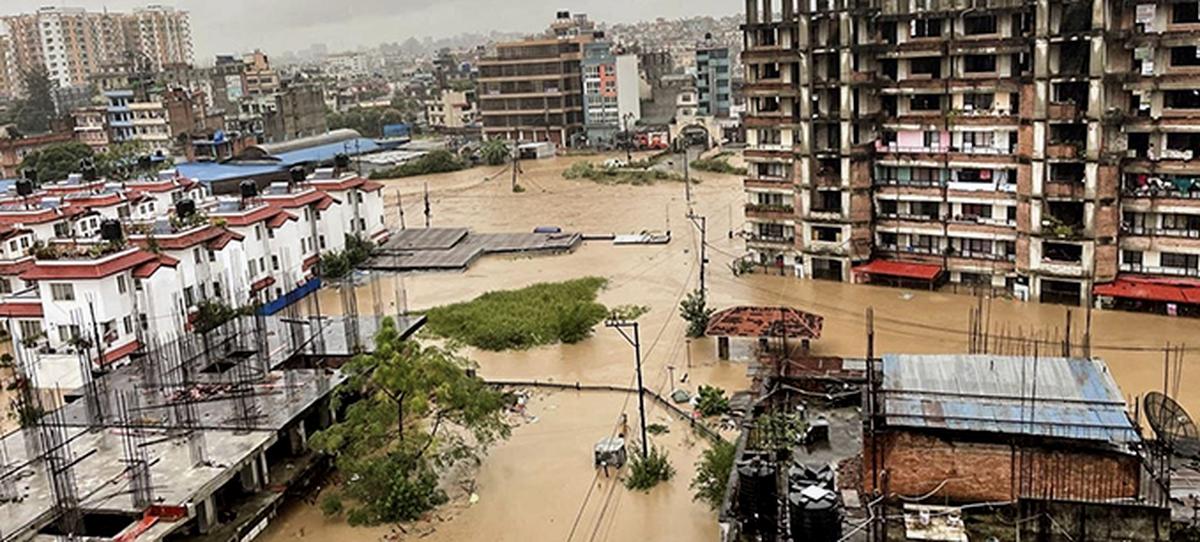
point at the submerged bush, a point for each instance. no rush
(547, 313)
(646, 472)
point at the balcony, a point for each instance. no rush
(1064, 110)
(1066, 151)
(770, 212)
(1056, 229)
(770, 240)
(1153, 270)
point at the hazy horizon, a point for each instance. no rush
(233, 26)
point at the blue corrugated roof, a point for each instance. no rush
(1047, 397)
(209, 172)
(325, 153)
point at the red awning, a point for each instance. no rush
(1152, 289)
(918, 271)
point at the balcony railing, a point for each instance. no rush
(770, 239)
(1157, 270)
(765, 208)
(1160, 232)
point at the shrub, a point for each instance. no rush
(624, 175)
(517, 319)
(718, 164)
(712, 473)
(494, 152)
(646, 472)
(711, 401)
(332, 505)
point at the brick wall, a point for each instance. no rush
(917, 464)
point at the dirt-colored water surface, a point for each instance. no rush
(531, 486)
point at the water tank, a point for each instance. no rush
(24, 187)
(298, 174)
(341, 161)
(815, 515)
(757, 498)
(249, 189)
(185, 208)
(31, 175)
(110, 230)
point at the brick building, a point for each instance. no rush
(1038, 147)
(982, 428)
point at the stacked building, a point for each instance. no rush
(75, 284)
(1036, 147)
(71, 44)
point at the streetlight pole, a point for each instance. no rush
(636, 342)
(628, 139)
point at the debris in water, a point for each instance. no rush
(907, 296)
(474, 498)
(680, 396)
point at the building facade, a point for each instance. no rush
(72, 44)
(451, 109)
(611, 99)
(714, 78)
(531, 90)
(1035, 147)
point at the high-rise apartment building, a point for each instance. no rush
(1041, 147)
(72, 44)
(531, 90)
(714, 77)
(611, 101)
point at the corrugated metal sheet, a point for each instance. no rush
(1051, 397)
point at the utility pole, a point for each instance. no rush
(636, 342)
(701, 223)
(400, 205)
(687, 179)
(428, 210)
(628, 139)
(515, 158)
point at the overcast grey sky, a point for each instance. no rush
(278, 25)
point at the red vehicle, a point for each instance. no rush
(653, 140)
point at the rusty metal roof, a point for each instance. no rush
(1069, 398)
(756, 322)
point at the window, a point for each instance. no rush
(1132, 258)
(1181, 261)
(62, 230)
(888, 207)
(30, 328)
(321, 240)
(978, 102)
(976, 210)
(1185, 56)
(212, 255)
(933, 140)
(127, 323)
(922, 243)
(979, 63)
(258, 233)
(62, 292)
(122, 287)
(888, 239)
(931, 66)
(189, 296)
(1173, 221)
(253, 268)
(769, 137)
(925, 28)
(67, 333)
(275, 263)
(979, 24)
(927, 209)
(1185, 13)
(977, 247)
(1182, 99)
(926, 102)
(826, 234)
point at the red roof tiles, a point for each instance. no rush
(90, 269)
(759, 322)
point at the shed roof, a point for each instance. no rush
(754, 321)
(1070, 398)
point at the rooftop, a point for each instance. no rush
(756, 322)
(1068, 398)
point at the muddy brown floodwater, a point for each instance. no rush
(531, 483)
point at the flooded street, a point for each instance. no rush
(531, 486)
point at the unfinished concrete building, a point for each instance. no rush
(981, 143)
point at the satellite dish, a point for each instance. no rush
(1171, 424)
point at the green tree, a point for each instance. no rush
(494, 152)
(128, 160)
(419, 409)
(711, 401)
(368, 121)
(712, 473)
(695, 310)
(33, 114)
(56, 161)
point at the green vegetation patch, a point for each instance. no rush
(718, 164)
(547, 313)
(619, 175)
(440, 161)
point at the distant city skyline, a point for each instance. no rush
(276, 26)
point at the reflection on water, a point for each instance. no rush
(659, 276)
